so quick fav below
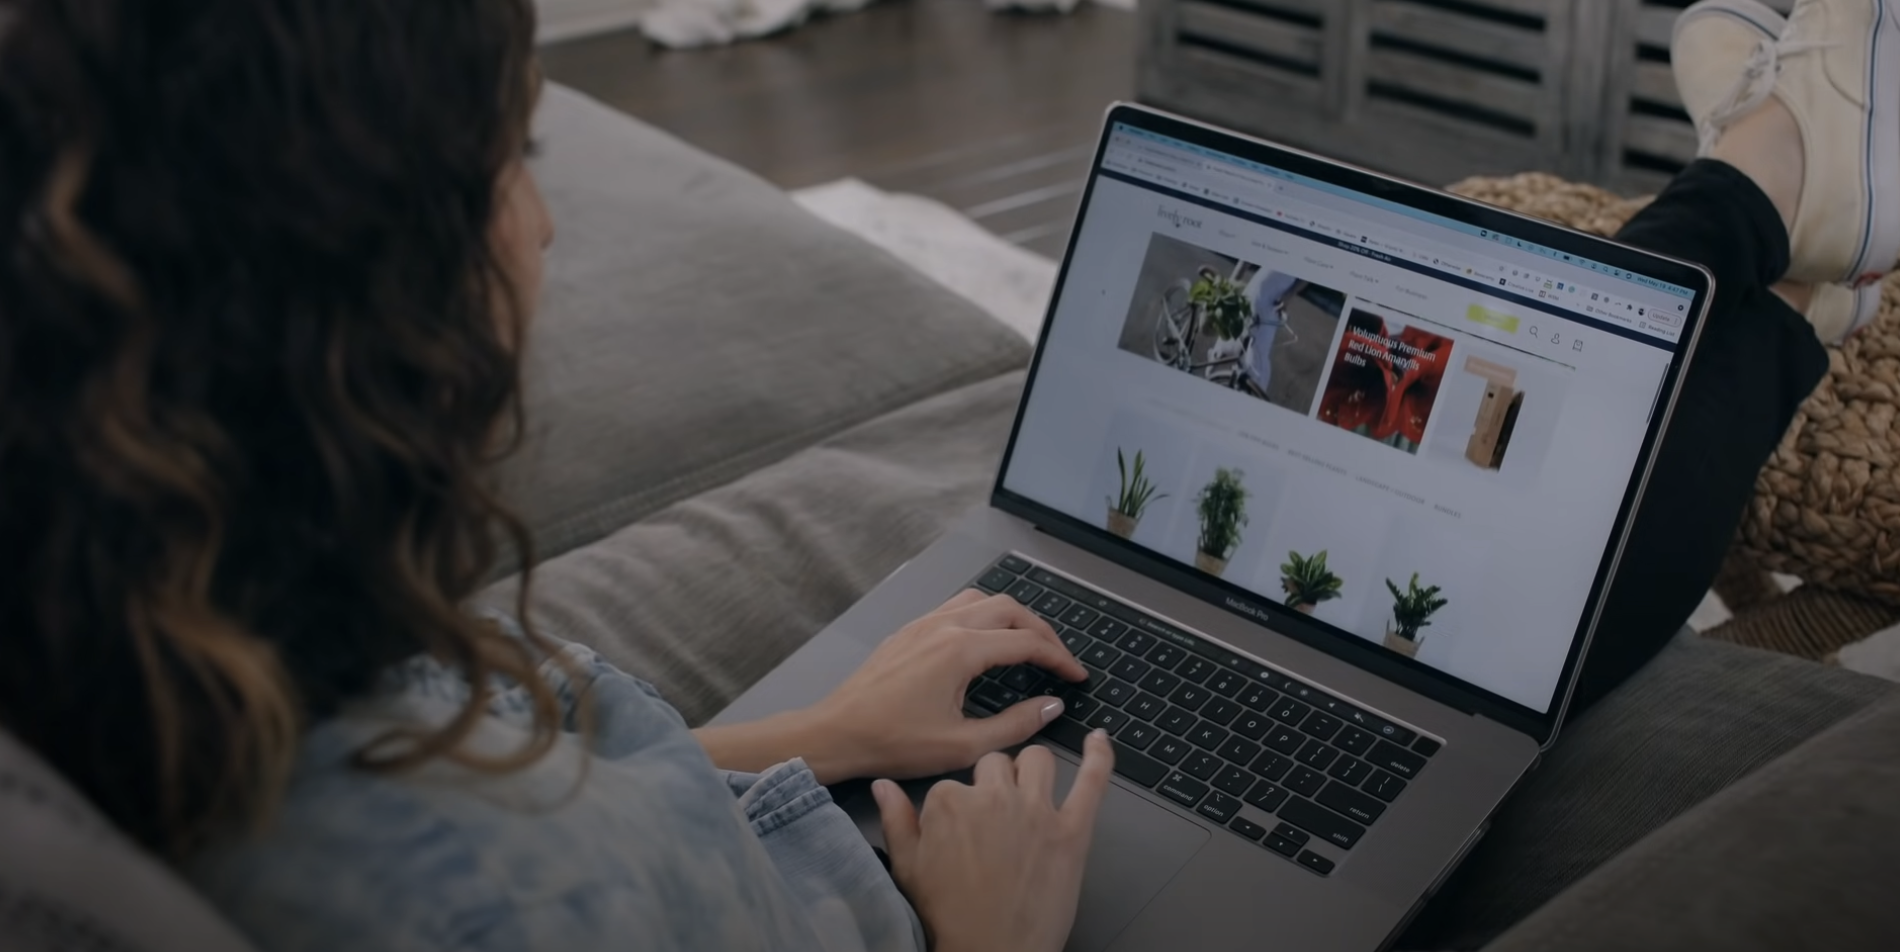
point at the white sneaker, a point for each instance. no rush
(1724, 59)
(1838, 312)
(1838, 73)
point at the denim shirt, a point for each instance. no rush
(638, 843)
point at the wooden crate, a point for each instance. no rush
(1433, 89)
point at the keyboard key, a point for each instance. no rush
(1170, 750)
(1160, 682)
(1350, 771)
(1293, 833)
(1322, 726)
(1218, 807)
(1257, 697)
(1226, 683)
(1355, 741)
(1321, 822)
(1316, 863)
(1425, 747)
(1139, 735)
(1108, 629)
(1133, 764)
(1137, 642)
(1176, 721)
(1051, 604)
(1266, 795)
(1201, 765)
(1079, 616)
(1100, 655)
(1129, 668)
(1316, 754)
(1221, 711)
(1271, 766)
(1235, 781)
(1196, 669)
(1384, 786)
(1353, 804)
(1025, 592)
(1247, 828)
(996, 580)
(1189, 696)
(1076, 641)
(1146, 706)
(1289, 711)
(1079, 705)
(1389, 756)
(1281, 845)
(1108, 719)
(994, 697)
(1285, 739)
(1096, 677)
(1305, 781)
(1182, 789)
(1208, 735)
(1166, 656)
(1116, 692)
(1253, 726)
(1022, 678)
(1014, 563)
(1239, 750)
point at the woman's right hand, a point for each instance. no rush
(995, 864)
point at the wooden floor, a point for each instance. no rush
(992, 114)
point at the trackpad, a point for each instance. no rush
(1138, 848)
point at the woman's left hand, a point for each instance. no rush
(901, 714)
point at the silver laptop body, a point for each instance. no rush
(1455, 406)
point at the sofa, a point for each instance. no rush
(741, 419)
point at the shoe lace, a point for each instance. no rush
(1752, 88)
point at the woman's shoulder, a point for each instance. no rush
(645, 835)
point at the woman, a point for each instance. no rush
(269, 267)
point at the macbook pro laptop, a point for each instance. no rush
(1323, 475)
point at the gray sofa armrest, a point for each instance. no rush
(1804, 854)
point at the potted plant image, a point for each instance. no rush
(1412, 609)
(1223, 511)
(1137, 492)
(1307, 581)
(1224, 308)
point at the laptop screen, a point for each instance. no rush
(1415, 431)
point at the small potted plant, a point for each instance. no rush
(1307, 581)
(1412, 609)
(1224, 308)
(1223, 511)
(1124, 511)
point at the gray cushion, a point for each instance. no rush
(69, 882)
(1800, 855)
(706, 596)
(698, 325)
(1702, 715)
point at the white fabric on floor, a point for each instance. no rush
(1010, 283)
(1879, 655)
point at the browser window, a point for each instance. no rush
(1414, 431)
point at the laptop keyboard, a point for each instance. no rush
(1204, 727)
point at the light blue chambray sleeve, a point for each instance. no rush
(634, 842)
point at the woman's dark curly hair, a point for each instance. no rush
(256, 351)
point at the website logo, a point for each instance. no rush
(1178, 220)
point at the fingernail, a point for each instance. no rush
(880, 789)
(1098, 732)
(1051, 710)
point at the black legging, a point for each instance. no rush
(1757, 361)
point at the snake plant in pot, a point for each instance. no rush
(1412, 609)
(1307, 581)
(1223, 308)
(1223, 511)
(1137, 493)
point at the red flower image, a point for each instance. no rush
(1383, 386)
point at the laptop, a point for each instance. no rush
(1323, 475)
